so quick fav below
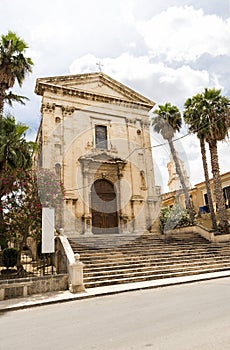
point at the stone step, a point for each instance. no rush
(107, 241)
(175, 255)
(150, 247)
(110, 281)
(151, 264)
(151, 270)
(87, 258)
(118, 259)
(155, 241)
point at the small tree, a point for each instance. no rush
(23, 205)
(22, 211)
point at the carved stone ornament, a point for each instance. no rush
(131, 121)
(68, 110)
(48, 107)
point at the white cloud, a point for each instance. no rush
(192, 77)
(48, 30)
(148, 45)
(156, 80)
(183, 33)
(122, 67)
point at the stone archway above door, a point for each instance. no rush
(107, 167)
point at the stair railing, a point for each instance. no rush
(74, 265)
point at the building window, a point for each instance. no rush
(227, 196)
(101, 136)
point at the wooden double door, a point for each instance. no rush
(104, 207)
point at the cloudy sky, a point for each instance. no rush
(167, 50)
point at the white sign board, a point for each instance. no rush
(47, 230)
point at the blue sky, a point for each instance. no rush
(166, 50)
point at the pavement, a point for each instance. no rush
(64, 296)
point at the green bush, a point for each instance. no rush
(164, 216)
(174, 217)
(9, 257)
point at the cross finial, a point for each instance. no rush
(99, 64)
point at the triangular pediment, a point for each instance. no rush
(98, 84)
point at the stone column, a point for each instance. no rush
(139, 214)
(123, 227)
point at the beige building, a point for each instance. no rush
(198, 195)
(94, 133)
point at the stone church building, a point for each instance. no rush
(94, 134)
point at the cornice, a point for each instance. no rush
(74, 85)
(41, 87)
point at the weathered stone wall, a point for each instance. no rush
(35, 285)
(48, 284)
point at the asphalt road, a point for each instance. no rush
(185, 317)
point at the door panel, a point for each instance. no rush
(104, 207)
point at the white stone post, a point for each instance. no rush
(76, 275)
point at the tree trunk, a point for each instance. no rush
(2, 100)
(220, 203)
(3, 240)
(207, 183)
(182, 180)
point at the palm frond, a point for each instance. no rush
(11, 97)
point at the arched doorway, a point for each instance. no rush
(104, 207)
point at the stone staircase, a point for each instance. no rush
(114, 259)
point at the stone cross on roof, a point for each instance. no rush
(100, 65)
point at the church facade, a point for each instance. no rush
(94, 134)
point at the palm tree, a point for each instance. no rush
(214, 115)
(167, 121)
(13, 65)
(191, 117)
(15, 151)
